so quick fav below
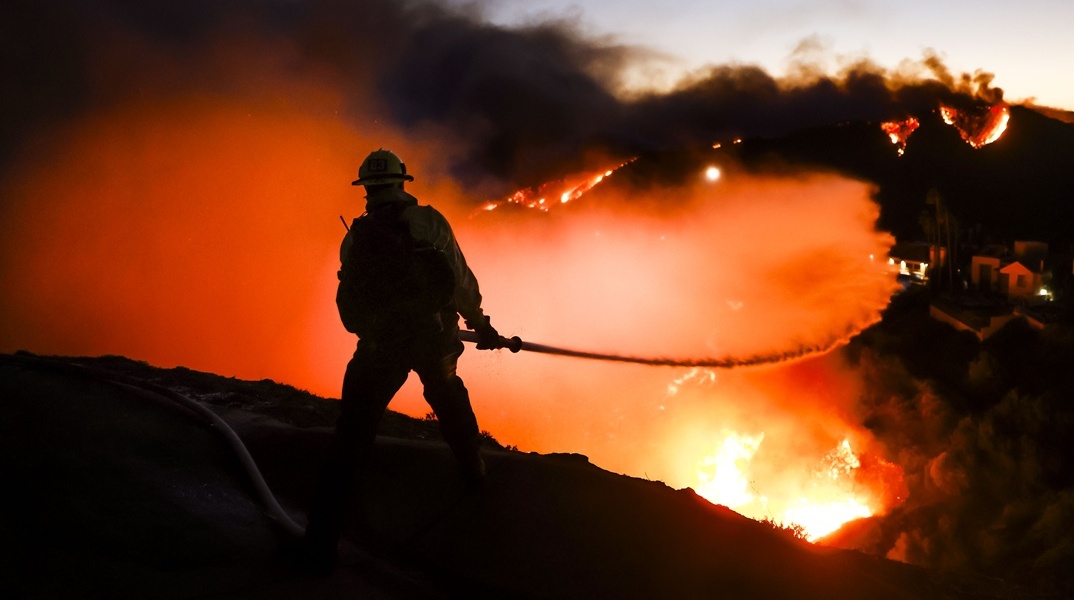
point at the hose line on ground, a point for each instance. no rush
(272, 508)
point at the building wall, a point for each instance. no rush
(1017, 281)
(984, 272)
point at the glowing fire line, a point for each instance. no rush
(539, 197)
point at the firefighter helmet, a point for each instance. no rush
(380, 167)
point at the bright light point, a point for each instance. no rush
(717, 146)
(1043, 291)
(712, 173)
(565, 198)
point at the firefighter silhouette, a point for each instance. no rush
(390, 347)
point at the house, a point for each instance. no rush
(912, 259)
(985, 266)
(1018, 276)
(1019, 282)
(1012, 284)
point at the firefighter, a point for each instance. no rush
(384, 358)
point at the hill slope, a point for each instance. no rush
(114, 491)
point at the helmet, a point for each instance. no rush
(380, 167)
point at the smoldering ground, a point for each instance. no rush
(172, 175)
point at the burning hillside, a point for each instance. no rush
(899, 131)
(980, 127)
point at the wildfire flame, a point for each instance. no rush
(721, 475)
(546, 195)
(978, 128)
(899, 131)
(830, 497)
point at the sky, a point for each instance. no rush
(1026, 45)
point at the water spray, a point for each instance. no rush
(515, 344)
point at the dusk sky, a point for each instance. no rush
(1026, 45)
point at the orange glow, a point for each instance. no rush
(978, 128)
(899, 131)
(195, 231)
(752, 266)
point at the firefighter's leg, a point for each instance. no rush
(370, 383)
(449, 399)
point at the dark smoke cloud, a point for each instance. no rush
(524, 105)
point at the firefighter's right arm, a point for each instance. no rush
(428, 224)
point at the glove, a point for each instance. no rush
(487, 336)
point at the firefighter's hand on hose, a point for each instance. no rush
(487, 336)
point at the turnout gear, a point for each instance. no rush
(381, 167)
(426, 225)
(403, 285)
(391, 283)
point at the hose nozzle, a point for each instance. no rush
(514, 344)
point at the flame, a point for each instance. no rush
(831, 496)
(899, 131)
(721, 476)
(978, 128)
(562, 191)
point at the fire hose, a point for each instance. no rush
(516, 344)
(272, 507)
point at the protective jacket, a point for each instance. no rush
(426, 223)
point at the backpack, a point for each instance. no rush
(392, 284)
